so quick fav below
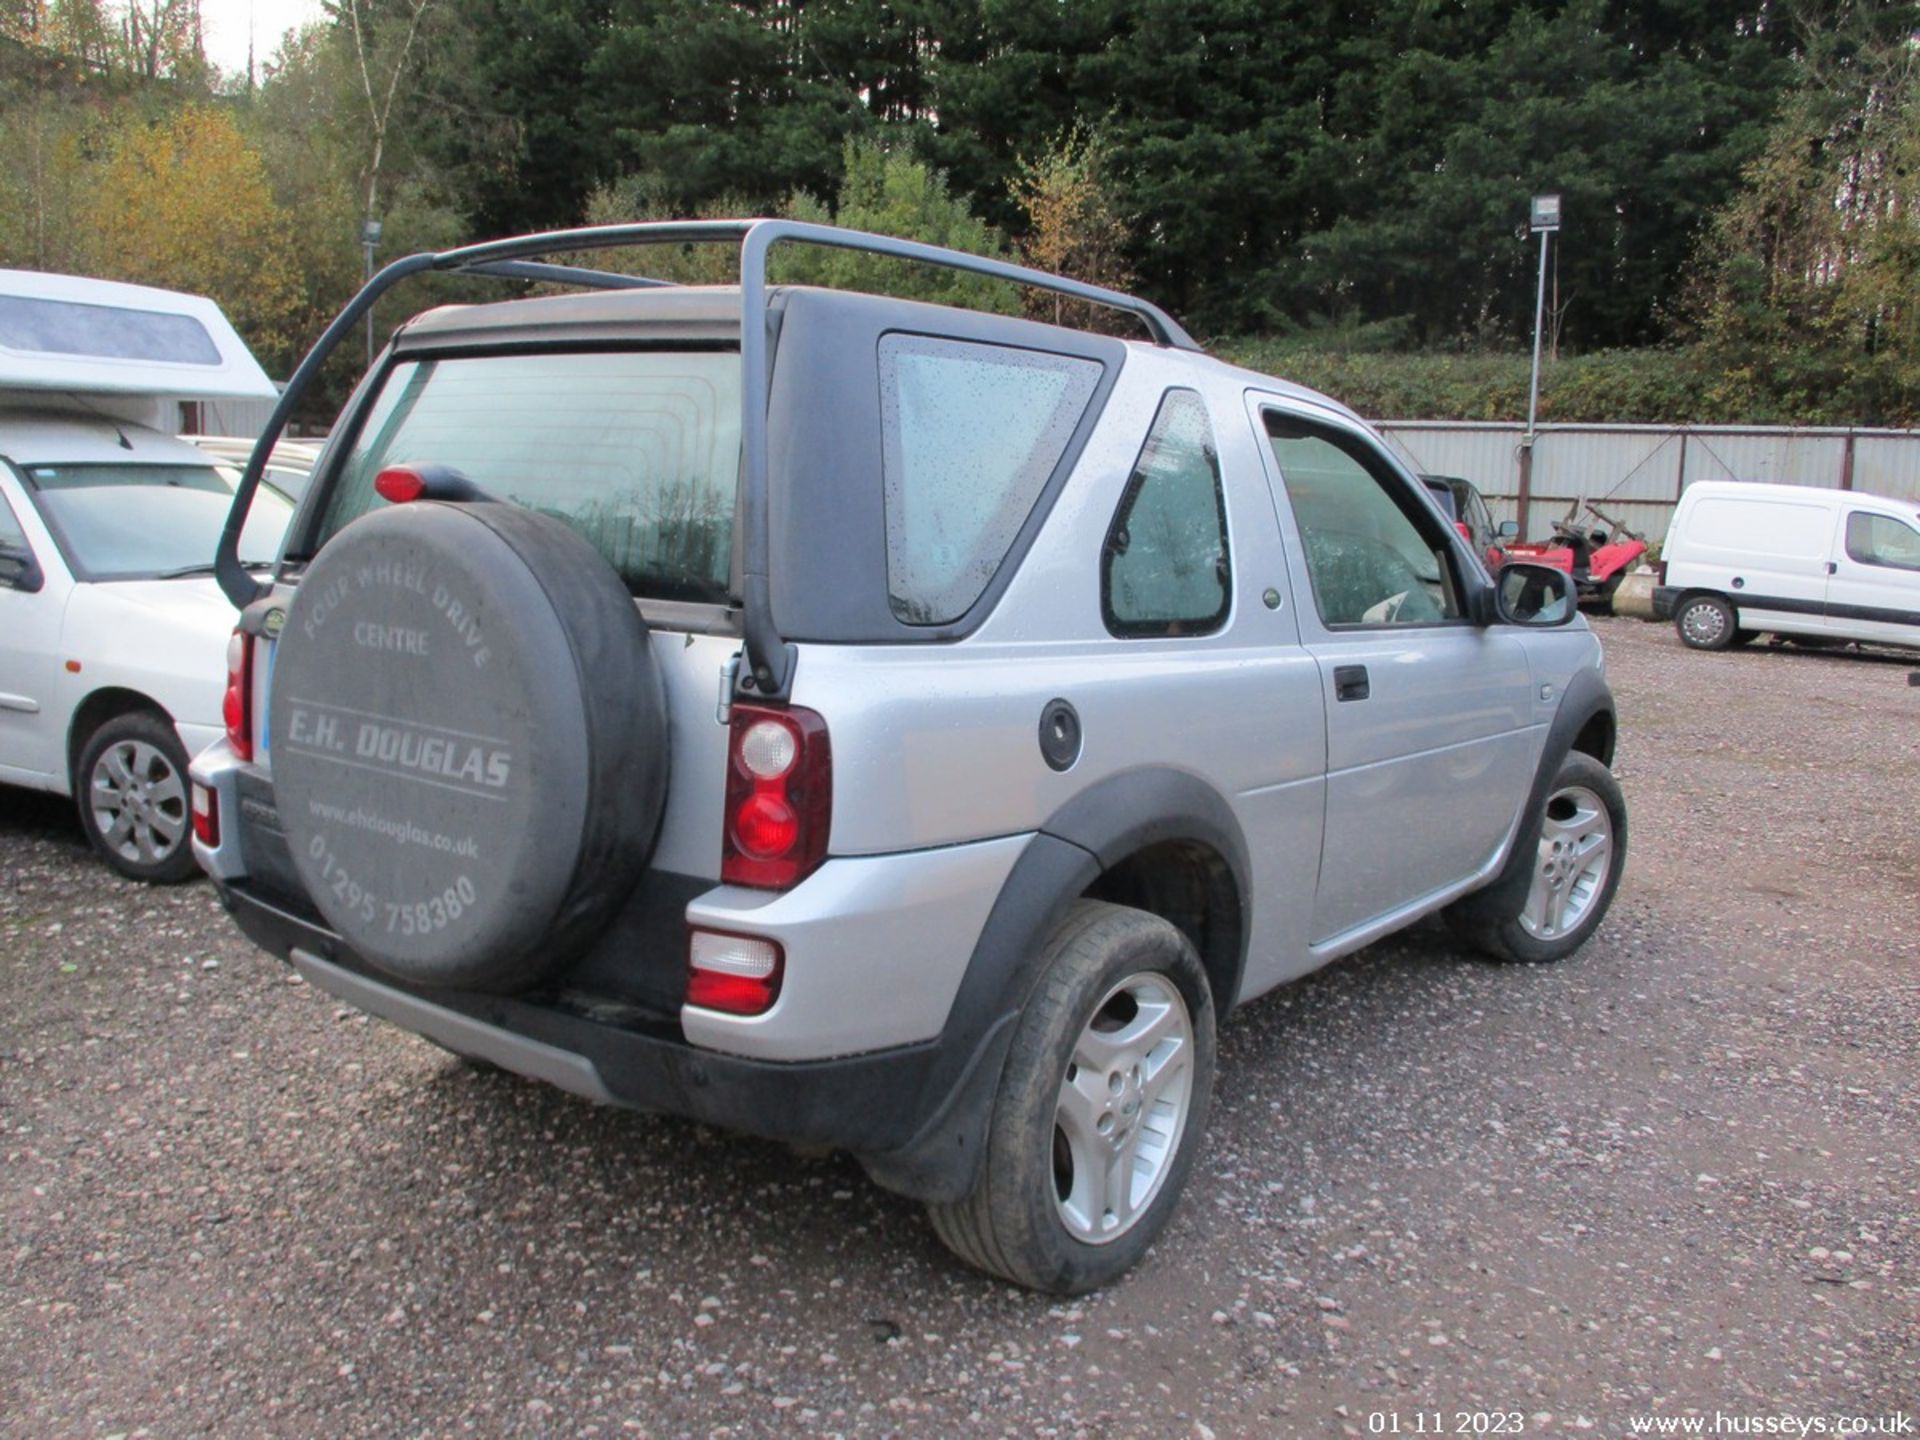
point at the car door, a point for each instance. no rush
(34, 588)
(1431, 729)
(1873, 592)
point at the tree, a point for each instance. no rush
(221, 235)
(380, 55)
(886, 191)
(1073, 224)
(1809, 301)
(43, 180)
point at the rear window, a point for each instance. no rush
(639, 451)
(972, 434)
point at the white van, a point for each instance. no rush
(1831, 565)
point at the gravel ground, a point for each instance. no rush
(1677, 1173)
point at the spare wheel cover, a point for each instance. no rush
(468, 742)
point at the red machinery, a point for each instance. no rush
(1597, 556)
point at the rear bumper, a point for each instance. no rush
(1665, 597)
(863, 1103)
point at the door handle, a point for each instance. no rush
(1833, 567)
(1350, 682)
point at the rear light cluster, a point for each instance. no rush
(779, 797)
(237, 708)
(206, 817)
(779, 809)
(736, 974)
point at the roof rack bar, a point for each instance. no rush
(562, 275)
(758, 236)
(236, 582)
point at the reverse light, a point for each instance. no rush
(236, 707)
(206, 817)
(735, 974)
(779, 797)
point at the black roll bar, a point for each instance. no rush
(769, 659)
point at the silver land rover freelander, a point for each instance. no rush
(879, 725)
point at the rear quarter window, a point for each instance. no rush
(972, 433)
(639, 451)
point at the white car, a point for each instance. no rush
(113, 632)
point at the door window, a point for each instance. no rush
(1479, 521)
(1882, 540)
(16, 559)
(1165, 569)
(12, 537)
(1369, 560)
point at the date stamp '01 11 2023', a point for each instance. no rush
(1446, 1422)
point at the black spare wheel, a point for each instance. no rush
(469, 742)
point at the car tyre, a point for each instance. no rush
(1707, 622)
(1578, 851)
(1100, 1109)
(134, 798)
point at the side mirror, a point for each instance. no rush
(19, 570)
(1538, 596)
(1509, 530)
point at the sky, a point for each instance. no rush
(224, 25)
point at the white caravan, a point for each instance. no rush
(113, 632)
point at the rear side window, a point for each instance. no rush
(972, 434)
(639, 451)
(1165, 570)
(1882, 540)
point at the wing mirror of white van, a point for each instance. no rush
(1535, 595)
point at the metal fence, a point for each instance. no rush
(1635, 473)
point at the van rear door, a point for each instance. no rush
(1874, 590)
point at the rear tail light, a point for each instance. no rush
(236, 709)
(735, 974)
(779, 797)
(206, 817)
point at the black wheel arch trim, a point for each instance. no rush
(1095, 831)
(1586, 713)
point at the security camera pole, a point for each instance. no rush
(1546, 220)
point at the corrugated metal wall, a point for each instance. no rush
(1635, 472)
